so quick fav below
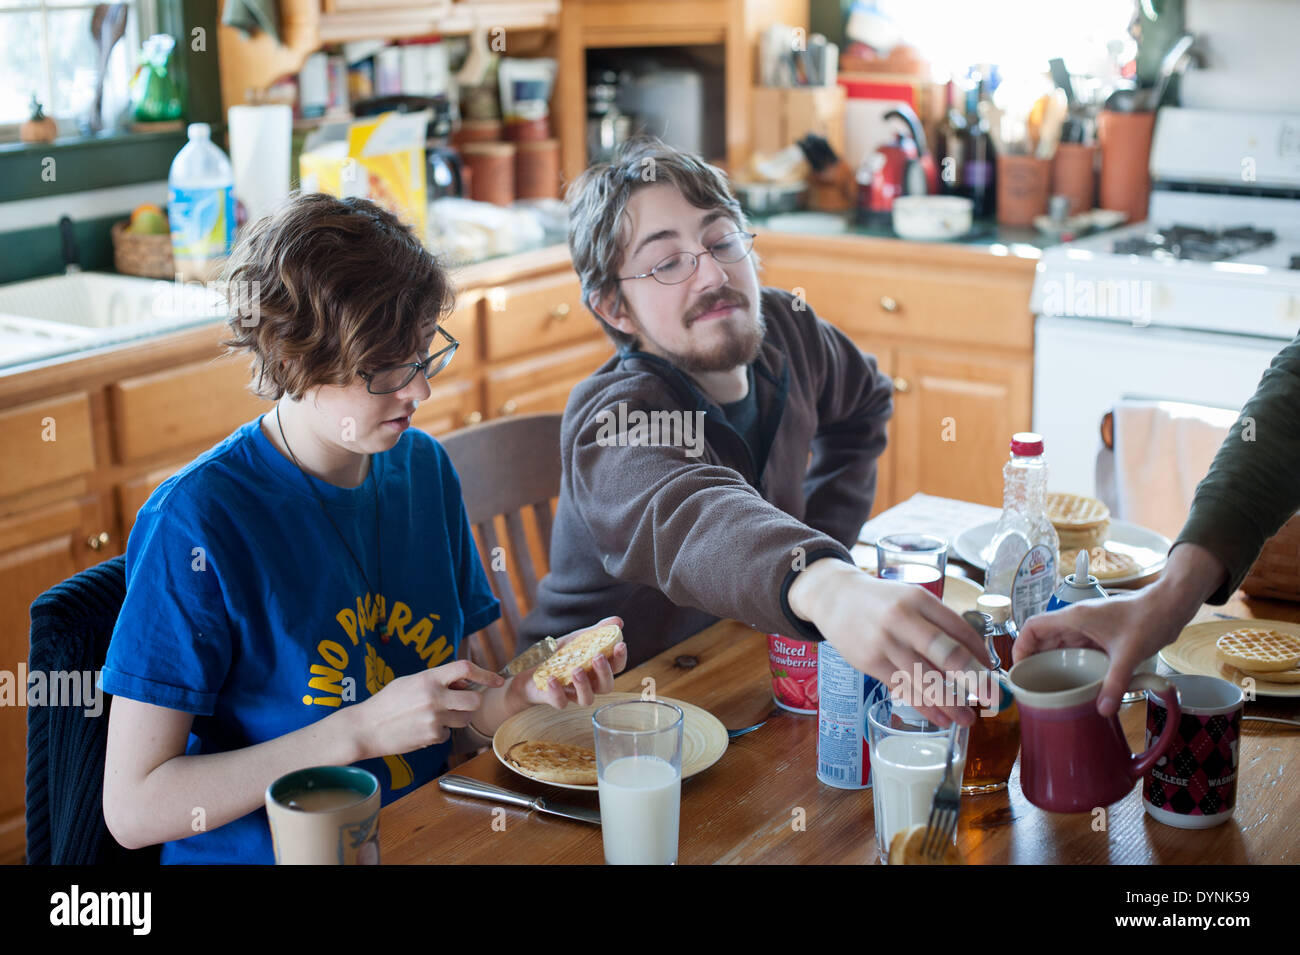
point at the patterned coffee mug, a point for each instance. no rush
(1194, 784)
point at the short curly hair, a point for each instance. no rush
(598, 198)
(323, 288)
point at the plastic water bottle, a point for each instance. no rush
(201, 205)
(1025, 546)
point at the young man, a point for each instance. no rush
(297, 595)
(721, 464)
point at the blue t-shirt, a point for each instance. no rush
(244, 608)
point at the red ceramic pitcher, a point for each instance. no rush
(1072, 759)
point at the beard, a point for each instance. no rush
(739, 347)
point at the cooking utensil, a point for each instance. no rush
(1272, 719)
(1175, 61)
(1049, 130)
(464, 786)
(734, 734)
(943, 810)
(107, 26)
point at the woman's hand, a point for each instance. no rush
(421, 709)
(586, 685)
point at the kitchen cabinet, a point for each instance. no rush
(950, 324)
(88, 439)
(38, 548)
(251, 64)
(735, 25)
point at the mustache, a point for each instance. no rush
(710, 302)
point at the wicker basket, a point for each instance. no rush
(146, 255)
(1276, 573)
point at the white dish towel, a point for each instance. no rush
(1162, 451)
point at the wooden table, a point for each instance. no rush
(746, 807)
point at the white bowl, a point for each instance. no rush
(931, 217)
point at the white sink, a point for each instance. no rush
(40, 318)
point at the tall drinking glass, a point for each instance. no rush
(639, 776)
(914, 559)
(908, 754)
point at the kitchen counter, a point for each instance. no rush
(82, 349)
(1024, 243)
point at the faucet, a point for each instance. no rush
(71, 260)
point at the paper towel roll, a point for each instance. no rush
(259, 154)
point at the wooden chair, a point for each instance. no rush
(508, 467)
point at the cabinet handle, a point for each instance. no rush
(902, 385)
(474, 417)
(888, 303)
(98, 541)
(560, 312)
(510, 407)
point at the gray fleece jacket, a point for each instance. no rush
(674, 535)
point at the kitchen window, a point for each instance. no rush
(47, 48)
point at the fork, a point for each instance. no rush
(943, 810)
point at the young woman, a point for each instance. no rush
(296, 596)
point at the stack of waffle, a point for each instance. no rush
(1083, 523)
(1261, 654)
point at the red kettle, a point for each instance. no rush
(900, 168)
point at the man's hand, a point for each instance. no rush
(1131, 627)
(419, 710)
(585, 685)
(885, 629)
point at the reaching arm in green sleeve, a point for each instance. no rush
(1254, 484)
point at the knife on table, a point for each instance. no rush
(464, 786)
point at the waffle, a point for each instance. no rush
(580, 652)
(1273, 676)
(1259, 651)
(905, 849)
(1075, 539)
(1074, 512)
(554, 762)
(1102, 563)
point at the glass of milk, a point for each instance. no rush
(907, 761)
(639, 775)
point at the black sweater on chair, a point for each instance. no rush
(72, 624)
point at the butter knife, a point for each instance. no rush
(464, 786)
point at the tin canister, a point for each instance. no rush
(844, 697)
(794, 672)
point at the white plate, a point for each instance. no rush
(1145, 546)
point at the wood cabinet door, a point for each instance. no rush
(38, 549)
(954, 415)
(535, 314)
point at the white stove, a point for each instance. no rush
(1190, 305)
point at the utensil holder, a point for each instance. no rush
(1023, 185)
(1074, 175)
(1125, 156)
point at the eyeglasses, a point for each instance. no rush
(387, 380)
(679, 267)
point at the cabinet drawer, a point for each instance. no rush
(967, 305)
(204, 401)
(527, 316)
(542, 384)
(450, 405)
(44, 442)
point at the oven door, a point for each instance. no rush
(1083, 366)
